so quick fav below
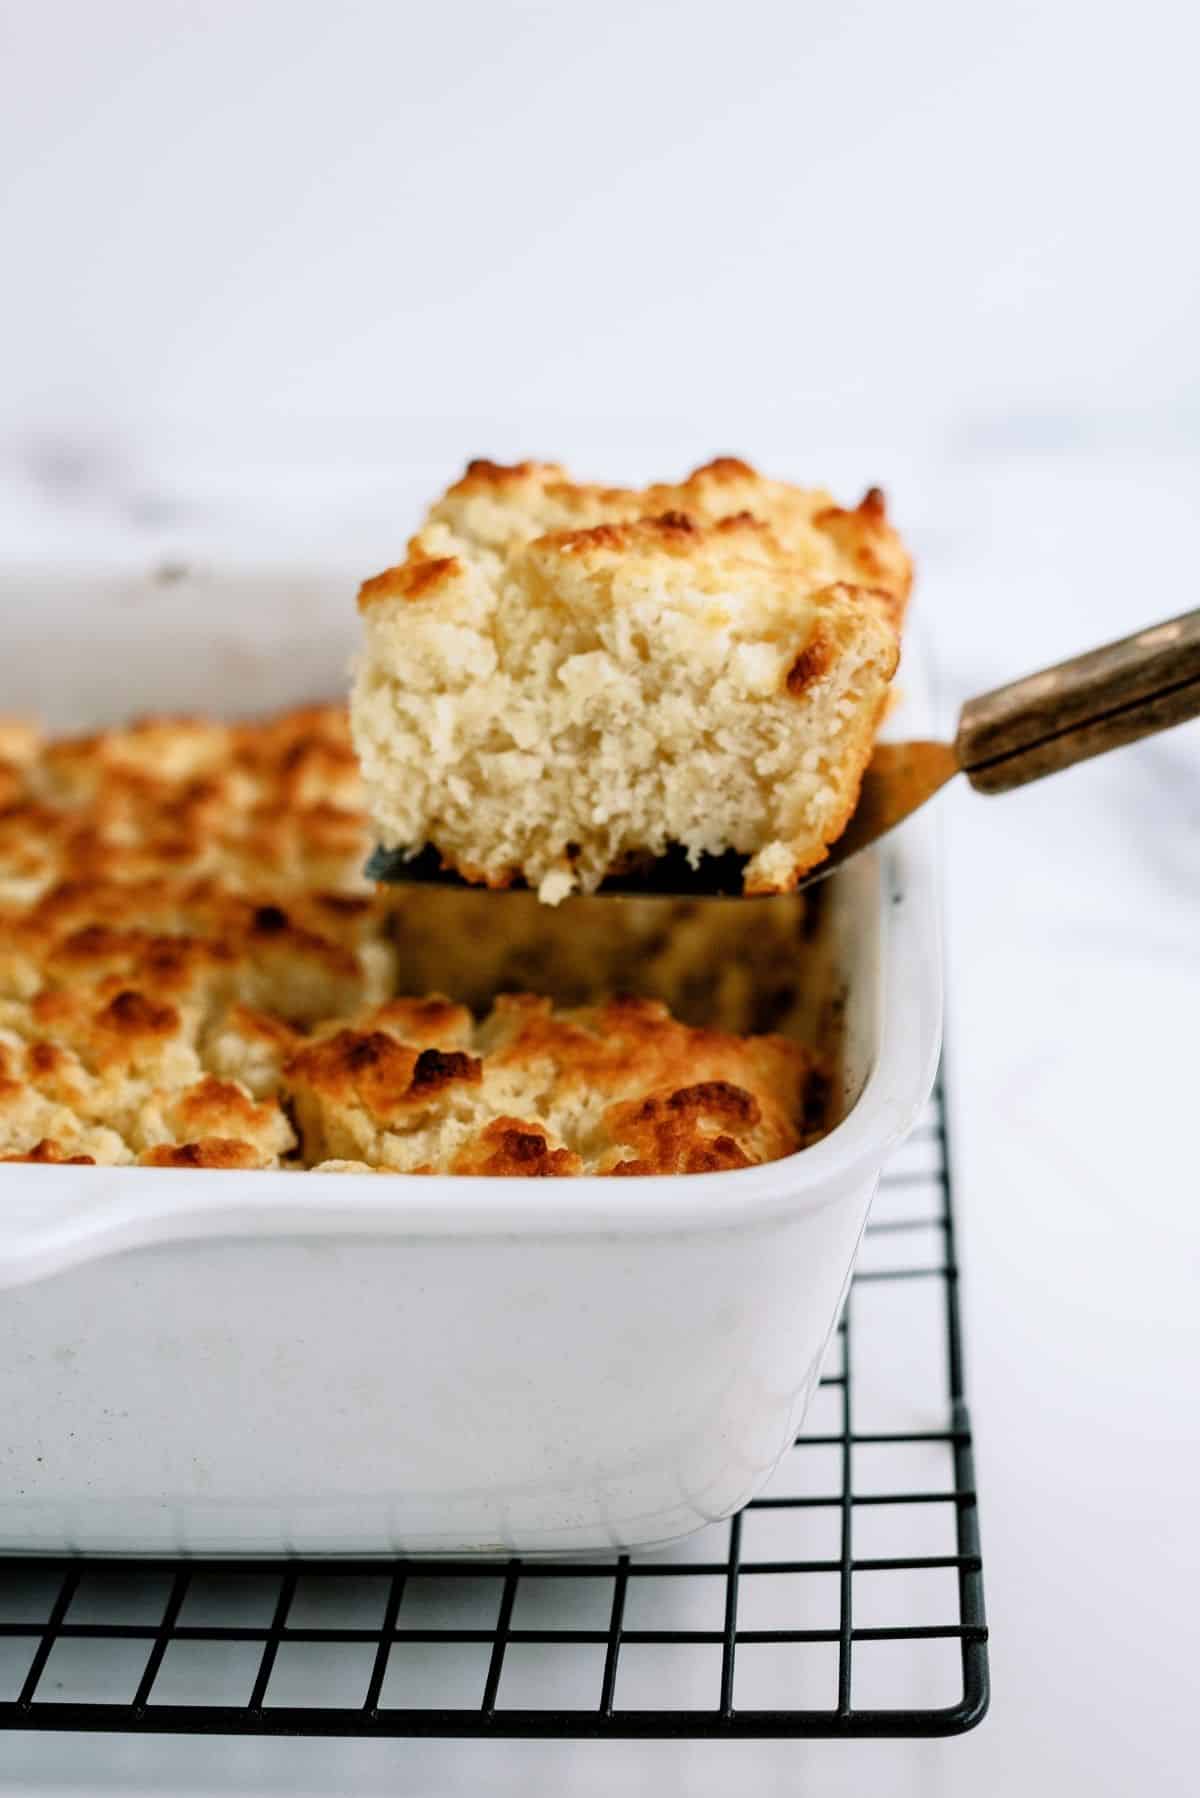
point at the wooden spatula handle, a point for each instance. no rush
(1082, 707)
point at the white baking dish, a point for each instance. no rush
(274, 1362)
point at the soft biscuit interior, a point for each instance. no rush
(561, 679)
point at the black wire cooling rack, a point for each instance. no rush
(846, 1601)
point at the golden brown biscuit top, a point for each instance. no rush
(193, 974)
(419, 578)
(618, 1087)
(378, 1071)
(51, 1154)
(514, 1146)
(494, 510)
(179, 899)
(208, 1151)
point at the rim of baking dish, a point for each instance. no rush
(54, 1217)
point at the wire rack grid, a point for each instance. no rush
(846, 1601)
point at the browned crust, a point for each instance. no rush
(482, 474)
(189, 808)
(726, 485)
(50, 1153)
(673, 1098)
(177, 897)
(514, 1147)
(414, 579)
(215, 1107)
(675, 532)
(814, 661)
(374, 1069)
(864, 535)
(724, 468)
(111, 1029)
(209, 1151)
(688, 1131)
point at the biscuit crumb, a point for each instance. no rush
(561, 677)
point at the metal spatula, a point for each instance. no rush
(1005, 739)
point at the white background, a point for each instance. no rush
(272, 225)
(270, 268)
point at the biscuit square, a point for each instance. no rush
(562, 680)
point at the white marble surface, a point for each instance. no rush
(1073, 945)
